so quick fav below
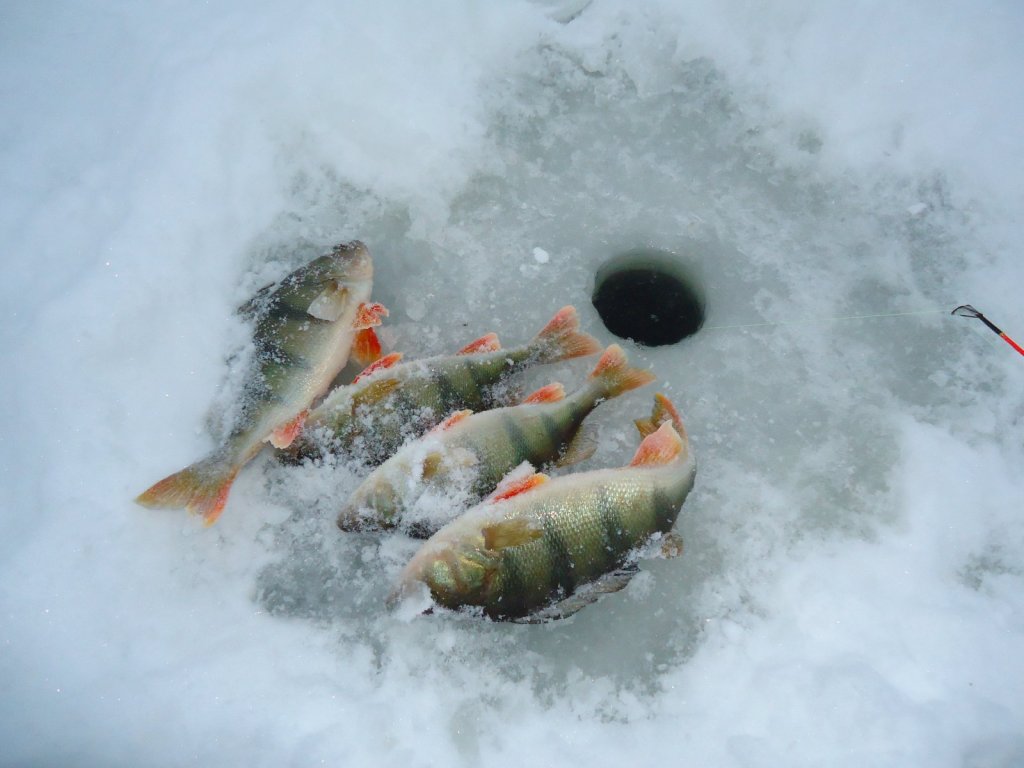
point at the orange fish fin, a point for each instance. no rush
(487, 343)
(366, 346)
(550, 393)
(201, 488)
(387, 361)
(663, 411)
(451, 421)
(513, 486)
(660, 447)
(369, 314)
(561, 338)
(616, 375)
(510, 533)
(283, 436)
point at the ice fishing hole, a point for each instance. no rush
(649, 296)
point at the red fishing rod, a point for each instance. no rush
(966, 310)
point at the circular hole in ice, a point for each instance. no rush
(649, 296)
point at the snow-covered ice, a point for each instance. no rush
(852, 590)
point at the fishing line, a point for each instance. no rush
(806, 321)
(964, 310)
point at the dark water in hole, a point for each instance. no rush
(649, 306)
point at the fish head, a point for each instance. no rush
(376, 504)
(457, 573)
(350, 263)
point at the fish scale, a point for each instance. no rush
(305, 327)
(530, 549)
(375, 414)
(471, 452)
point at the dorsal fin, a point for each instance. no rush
(659, 447)
(550, 393)
(451, 421)
(486, 343)
(515, 484)
(374, 392)
(385, 362)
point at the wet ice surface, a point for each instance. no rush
(850, 589)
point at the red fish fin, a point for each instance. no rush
(510, 533)
(387, 361)
(550, 393)
(660, 447)
(513, 486)
(366, 346)
(663, 411)
(286, 433)
(487, 343)
(451, 421)
(615, 374)
(369, 314)
(561, 338)
(201, 488)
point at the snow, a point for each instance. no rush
(851, 587)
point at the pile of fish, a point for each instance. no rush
(522, 545)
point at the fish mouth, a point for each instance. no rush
(352, 260)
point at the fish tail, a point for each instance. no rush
(664, 436)
(562, 339)
(614, 375)
(663, 411)
(201, 488)
(663, 446)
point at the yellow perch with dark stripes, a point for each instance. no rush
(305, 327)
(393, 401)
(469, 453)
(541, 547)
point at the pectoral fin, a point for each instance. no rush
(432, 465)
(375, 392)
(510, 533)
(329, 304)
